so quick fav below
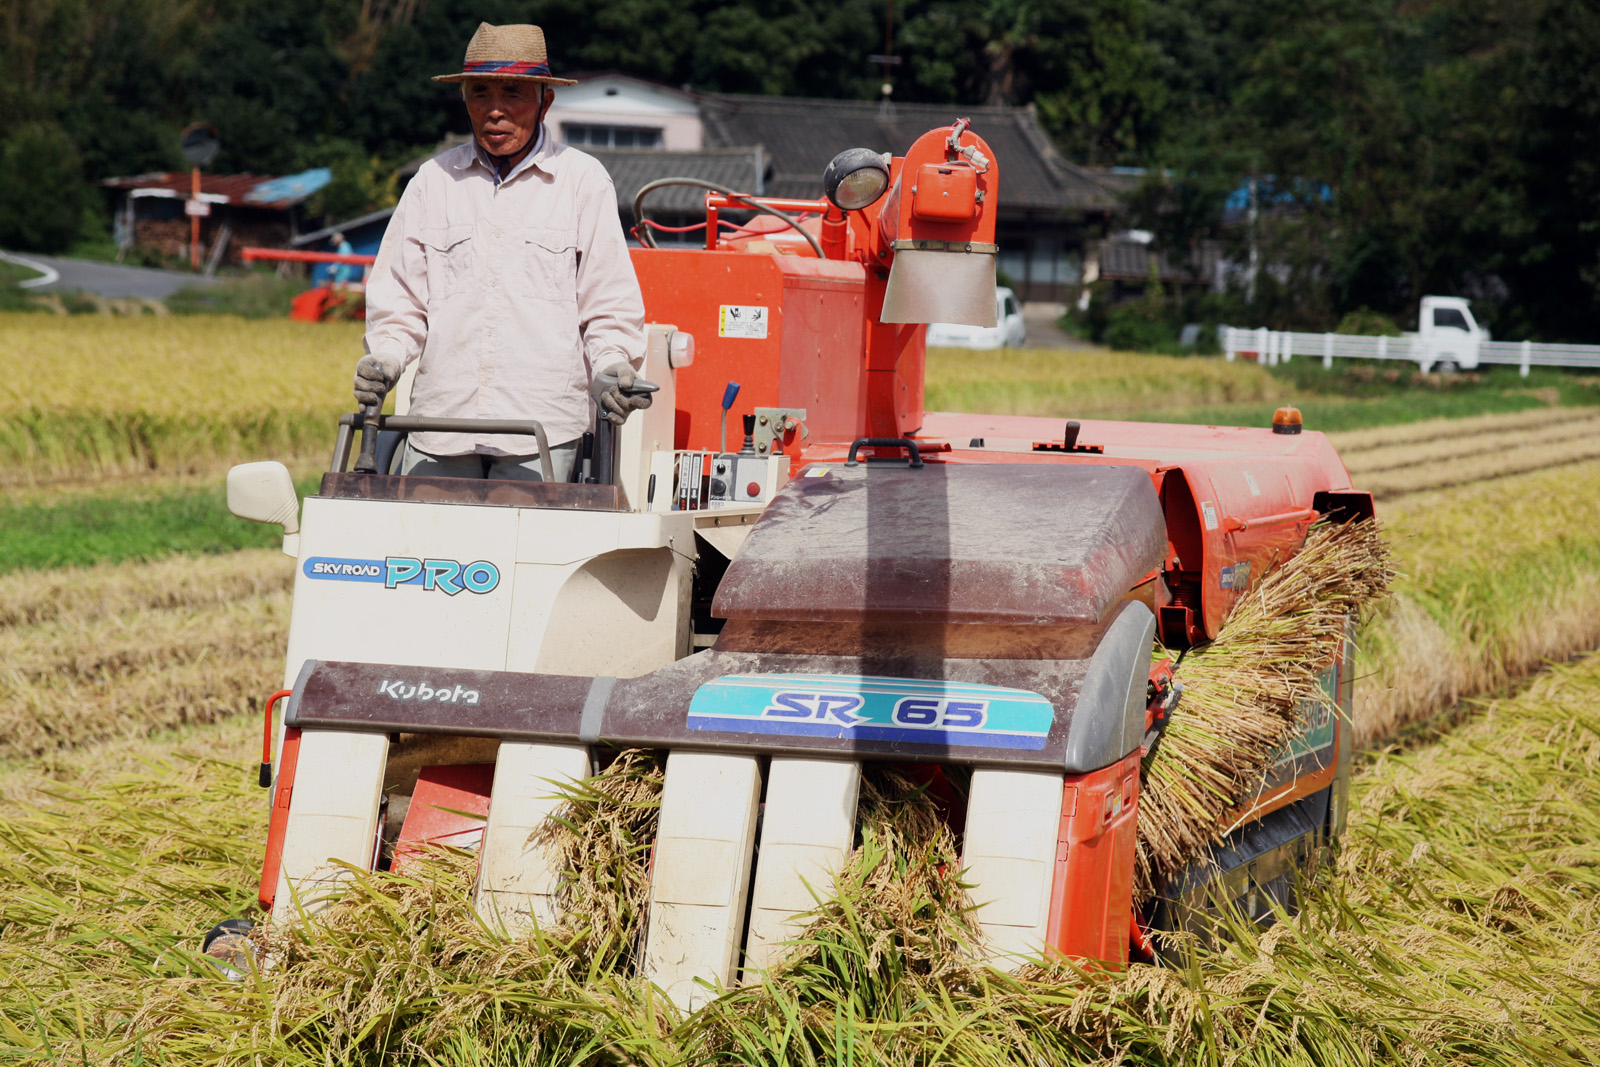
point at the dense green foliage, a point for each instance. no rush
(1447, 147)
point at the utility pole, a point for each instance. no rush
(199, 143)
(1250, 214)
(888, 61)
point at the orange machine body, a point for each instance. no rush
(1236, 500)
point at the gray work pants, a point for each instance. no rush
(510, 468)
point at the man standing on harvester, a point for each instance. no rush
(506, 273)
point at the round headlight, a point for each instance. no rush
(856, 178)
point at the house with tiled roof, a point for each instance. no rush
(1050, 208)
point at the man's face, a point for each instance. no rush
(505, 114)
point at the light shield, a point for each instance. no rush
(856, 178)
(941, 284)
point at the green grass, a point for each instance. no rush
(261, 294)
(1330, 415)
(82, 529)
(12, 297)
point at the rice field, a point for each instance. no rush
(91, 397)
(1087, 383)
(1462, 927)
(122, 651)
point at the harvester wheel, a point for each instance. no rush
(228, 948)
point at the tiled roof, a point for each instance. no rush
(632, 168)
(801, 136)
(1130, 261)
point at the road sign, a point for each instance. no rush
(197, 208)
(200, 144)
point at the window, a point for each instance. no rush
(1052, 262)
(1450, 317)
(586, 136)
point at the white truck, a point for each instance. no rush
(1447, 338)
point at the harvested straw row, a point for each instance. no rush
(1500, 577)
(1393, 483)
(122, 651)
(1353, 442)
(195, 583)
(1454, 450)
(1244, 694)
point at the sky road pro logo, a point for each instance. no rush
(448, 576)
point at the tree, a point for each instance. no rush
(42, 191)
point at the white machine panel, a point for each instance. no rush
(806, 835)
(517, 881)
(427, 585)
(1013, 824)
(333, 815)
(702, 873)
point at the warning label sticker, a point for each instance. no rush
(740, 320)
(1208, 511)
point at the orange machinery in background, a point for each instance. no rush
(323, 302)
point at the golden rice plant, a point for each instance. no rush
(97, 396)
(1072, 383)
(1245, 692)
(602, 835)
(1462, 930)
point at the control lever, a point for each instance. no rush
(367, 461)
(602, 469)
(727, 402)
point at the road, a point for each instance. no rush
(109, 280)
(1040, 318)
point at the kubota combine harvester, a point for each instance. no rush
(862, 581)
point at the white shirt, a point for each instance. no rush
(513, 292)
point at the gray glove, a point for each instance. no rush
(619, 391)
(375, 376)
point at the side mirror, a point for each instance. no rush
(264, 492)
(856, 178)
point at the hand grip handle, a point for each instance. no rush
(884, 442)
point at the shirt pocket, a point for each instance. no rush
(449, 257)
(551, 260)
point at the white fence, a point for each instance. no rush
(1272, 347)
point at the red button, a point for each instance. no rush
(753, 489)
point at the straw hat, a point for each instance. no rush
(506, 53)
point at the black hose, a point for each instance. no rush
(648, 239)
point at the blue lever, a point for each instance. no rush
(727, 402)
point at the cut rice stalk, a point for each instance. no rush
(1243, 694)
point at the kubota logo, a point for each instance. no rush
(446, 575)
(400, 689)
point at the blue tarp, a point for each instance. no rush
(291, 188)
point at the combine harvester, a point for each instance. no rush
(862, 581)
